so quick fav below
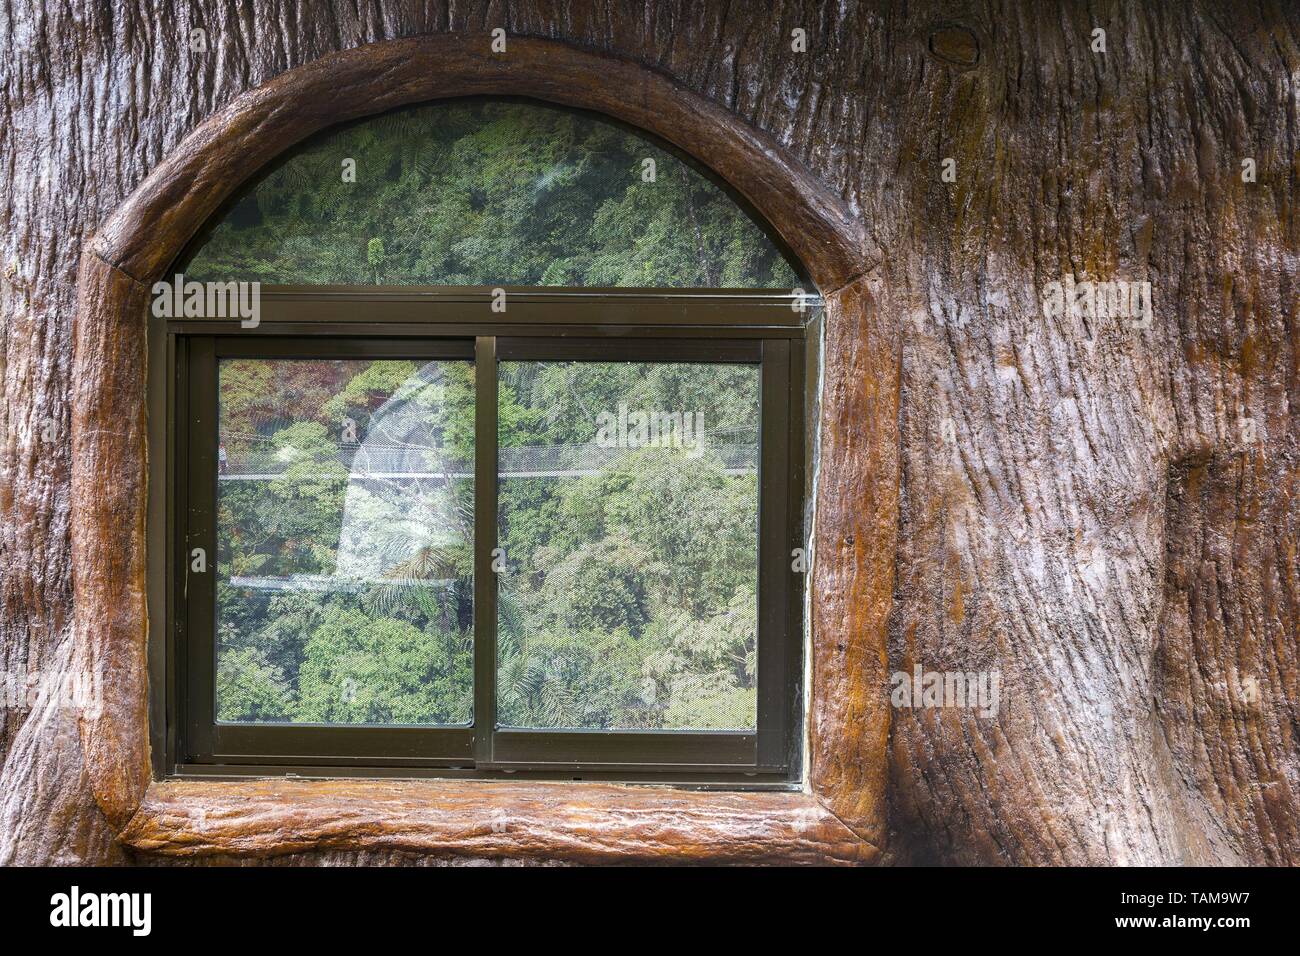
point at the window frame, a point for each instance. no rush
(601, 324)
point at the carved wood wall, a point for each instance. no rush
(1105, 515)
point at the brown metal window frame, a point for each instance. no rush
(762, 327)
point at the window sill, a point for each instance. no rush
(573, 822)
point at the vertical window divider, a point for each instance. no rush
(197, 595)
(774, 545)
(485, 543)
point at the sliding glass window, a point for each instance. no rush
(567, 548)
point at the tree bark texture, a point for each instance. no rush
(1105, 515)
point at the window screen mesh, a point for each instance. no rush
(345, 503)
(488, 193)
(628, 514)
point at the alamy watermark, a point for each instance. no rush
(1089, 299)
(649, 428)
(980, 691)
(78, 691)
(133, 911)
(179, 299)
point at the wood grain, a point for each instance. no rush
(188, 186)
(576, 822)
(109, 469)
(853, 560)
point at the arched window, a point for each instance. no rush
(498, 466)
(490, 193)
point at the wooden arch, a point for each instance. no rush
(839, 816)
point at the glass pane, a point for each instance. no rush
(345, 523)
(629, 517)
(488, 193)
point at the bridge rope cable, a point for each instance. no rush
(407, 459)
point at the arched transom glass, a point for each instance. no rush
(494, 193)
